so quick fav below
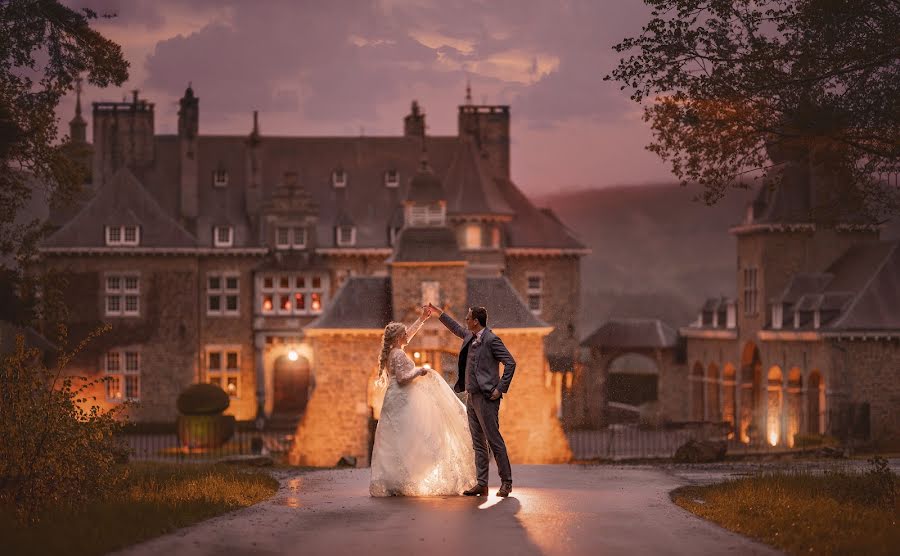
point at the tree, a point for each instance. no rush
(738, 88)
(44, 48)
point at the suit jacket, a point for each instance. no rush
(487, 365)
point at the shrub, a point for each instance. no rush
(202, 399)
(53, 451)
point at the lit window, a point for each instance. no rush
(122, 235)
(392, 178)
(472, 236)
(122, 295)
(535, 291)
(223, 368)
(222, 292)
(495, 237)
(223, 236)
(296, 294)
(123, 375)
(339, 178)
(346, 235)
(220, 178)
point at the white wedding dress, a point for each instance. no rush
(422, 442)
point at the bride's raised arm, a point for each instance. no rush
(414, 327)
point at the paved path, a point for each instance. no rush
(559, 509)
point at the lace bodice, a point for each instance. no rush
(400, 366)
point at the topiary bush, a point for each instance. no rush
(201, 424)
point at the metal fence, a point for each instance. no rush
(624, 442)
(202, 443)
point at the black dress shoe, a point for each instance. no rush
(505, 489)
(477, 490)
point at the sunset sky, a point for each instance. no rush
(349, 67)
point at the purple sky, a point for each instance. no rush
(343, 67)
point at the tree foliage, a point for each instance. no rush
(737, 88)
(44, 47)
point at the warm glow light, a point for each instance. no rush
(492, 500)
(426, 366)
(416, 354)
(773, 438)
(293, 355)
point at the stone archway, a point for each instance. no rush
(632, 384)
(774, 403)
(729, 398)
(815, 400)
(291, 384)
(713, 411)
(698, 393)
(794, 403)
(752, 424)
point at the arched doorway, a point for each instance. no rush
(632, 381)
(698, 393)
(751, 390)
(728, 397)
(794, 403)
(815, 399)
(774, 401)
(712, 393)
(291, 384)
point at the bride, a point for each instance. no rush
(422, 443)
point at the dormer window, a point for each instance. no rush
(392, 178)
(220, 178)
(472, 236)
(290, 237)
(426, 215)
(339, 178)
(122, 235)
(346, 236)
(223, 236)
(777, 316)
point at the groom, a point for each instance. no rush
(479, 375)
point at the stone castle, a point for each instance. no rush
(270, 265)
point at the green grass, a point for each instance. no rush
(156, 499)
(804, 513)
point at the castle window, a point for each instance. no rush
(392, 178)
(220, 178)
(495, 237)
(290, 237)
(122, 295)
(299, 238)
(223, 368)
(223, 236)
(472, 236)
(750, 292)
(346, 236)
(123, 375)
(300, 294)
(222, 292)
(431, 293)
(535, 292)
(339, 178)
(392, 235)
(426, 215)
(122, 235)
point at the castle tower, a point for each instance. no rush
(426, 265)
(188, 127)
(489, 127)
(123, 137)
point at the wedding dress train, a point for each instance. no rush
(422, 442)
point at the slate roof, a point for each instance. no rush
(123, 201)
(506, 309)
(425, 186)
(433, 244)
(365, 303)
(633, 334)
(365, 201)
(859, 292)
(362, 302)
(33, 339)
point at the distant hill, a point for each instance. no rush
(656, 252)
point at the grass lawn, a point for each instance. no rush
(805, 513)
(157, 498)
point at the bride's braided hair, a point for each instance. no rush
(391, 332)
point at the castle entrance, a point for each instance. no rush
(291, 384)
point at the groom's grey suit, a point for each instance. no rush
(479, 375)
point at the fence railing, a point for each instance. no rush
(623, 442)
(203, 443)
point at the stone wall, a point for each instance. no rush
(406, 288)
(337, 419)
(875, 378)
(561, 296)
(528, 412)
